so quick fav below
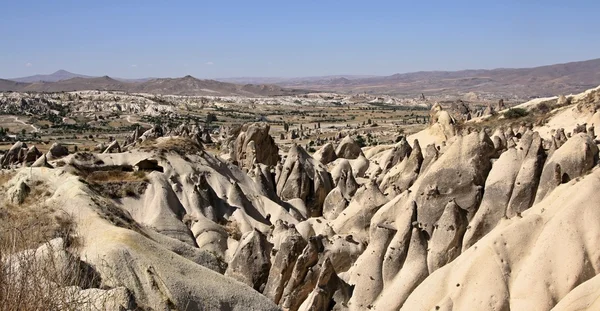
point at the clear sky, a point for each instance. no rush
(217, 39)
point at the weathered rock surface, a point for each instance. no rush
(255, 145)
(326, 154)
(305, 178)
(251, 262)
(348, 149)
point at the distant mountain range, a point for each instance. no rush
(522, 82)
(187, 85)
(54, 77)
(549, 80)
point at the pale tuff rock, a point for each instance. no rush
(326, 154)
(395, 155)
(545, 256)
(113, 147)
(413, 272)
(265, 180)
(251, 262)
(431, 155)
(328, 284)
(57, 151)
(573, 159)
(360, 166)
(460, 110)
(459, 174)
(348, 149)
(255, 145)
(403, 175)
(305, 178)
(18, 193)
(343, 167)
(510, 186)
(532, 154)
(355, 219)
(42, 161)
(288, 251)
(338, 199)
(468, 223)
(366, 274)
(14, 155)
(446, 241)
(32, 155)
(304, 276)
(442, 127)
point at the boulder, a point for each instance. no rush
(573, 159)
(13, 155)
(57, 151)
(326, 154)
(348, 149)
(32, 154)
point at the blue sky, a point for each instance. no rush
(216, 39)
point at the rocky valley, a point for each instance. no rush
(122, 200)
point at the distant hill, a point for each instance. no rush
(178, 86)
(53, 77)
(76, 84)
(549, 80)
(299, 80)
(189, 85)
(525, 82)
(9, 85)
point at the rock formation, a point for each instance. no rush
(348, 149)
(255, 145)
(305, 178)
(499, 215)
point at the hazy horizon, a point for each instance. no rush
(267, 39)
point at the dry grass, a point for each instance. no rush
(180, 145)
(233, 230)
(46, 278)
(537, 117)
(116, 176)
(6, 176)
(36, 219)
(118, 184)
(38, 268)
(38, 280)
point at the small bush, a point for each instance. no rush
(360, 141)
(543, 108)
(33, 279)
(515, 113)
(233, 230)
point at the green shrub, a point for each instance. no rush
(515, 113)
(360, 141)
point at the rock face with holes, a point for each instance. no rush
(510, 186)
(458, 174)
(573, 159)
